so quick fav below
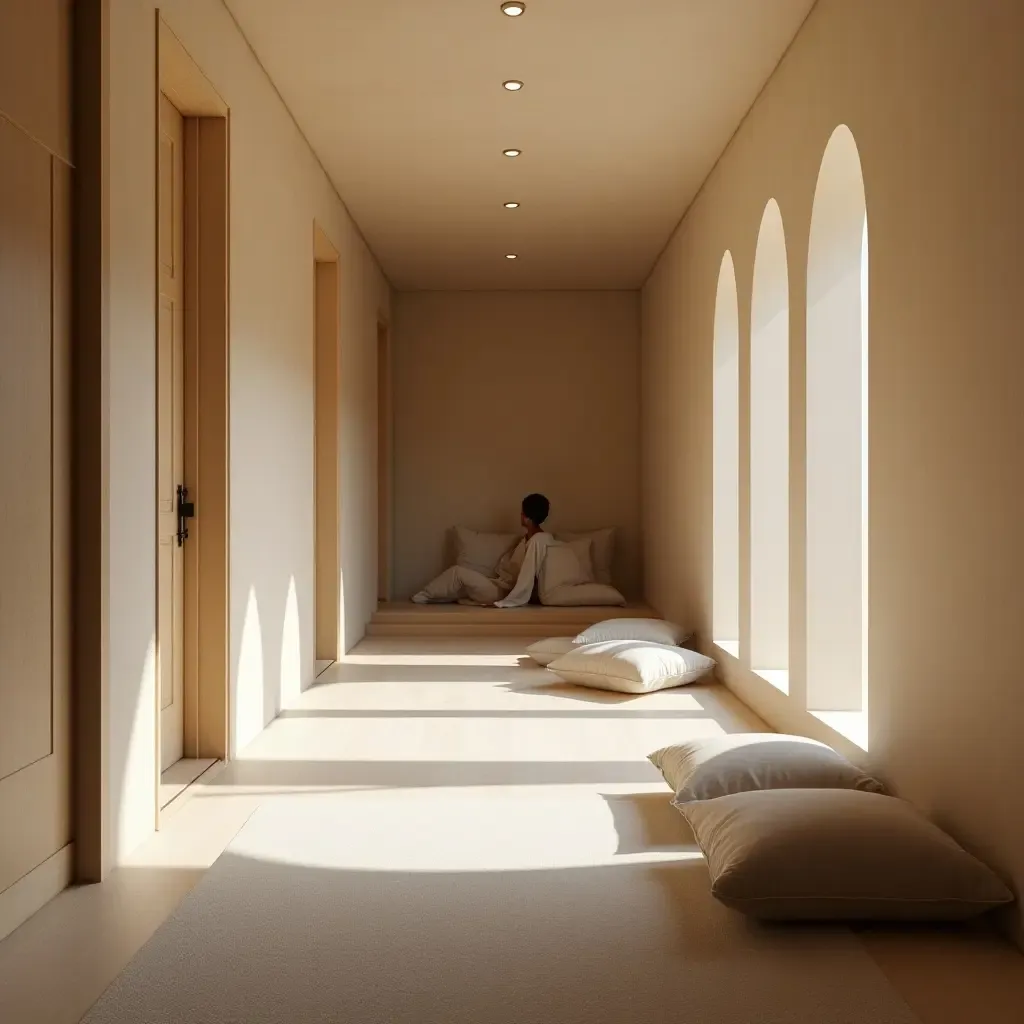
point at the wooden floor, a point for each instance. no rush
(402, 618)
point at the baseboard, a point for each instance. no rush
(32, 892)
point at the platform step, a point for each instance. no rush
(398, 619)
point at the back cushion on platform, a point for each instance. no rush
(481, 551)
(602, 553)
(566, 564)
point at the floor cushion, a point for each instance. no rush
(583, 595)
(631, 666)
(543, 652)
(713, 766)
(837, 854)
(656, 631)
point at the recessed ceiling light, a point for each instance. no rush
(511, 152)
(513, 85)
(513, 8)
(511, 206)
(511, 256)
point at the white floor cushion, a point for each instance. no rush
(656, 631)
(713, 766)
(546, 651)
(631, 666)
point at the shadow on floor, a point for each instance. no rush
(424, 774)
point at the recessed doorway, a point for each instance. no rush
(326, 427)
(192, 422)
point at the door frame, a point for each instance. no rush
(327, 592)
(385, 459)
(206, 400)
(178, 76)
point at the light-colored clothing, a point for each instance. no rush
(512, 584)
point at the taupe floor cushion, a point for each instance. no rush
(631, 666)
(583, 595)
(656, 631)
(543, 652)
(837, 854)
(713, 766)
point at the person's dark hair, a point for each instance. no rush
(536, 508)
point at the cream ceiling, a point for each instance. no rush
(625, 109)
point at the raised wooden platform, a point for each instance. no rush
(400, 618)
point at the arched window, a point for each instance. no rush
(769, 454)
(726, 458)
(837, 449)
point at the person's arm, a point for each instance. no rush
(532, 561)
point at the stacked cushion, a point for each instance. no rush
(837, 854)
(714, 766)
(631, 666)
(656, 631)
(543, 652)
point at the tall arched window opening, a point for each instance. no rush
(726, 464)
(769, 453)
(837, 445)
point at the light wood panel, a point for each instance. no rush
(35, 620)
(170, 429)
(327, 497)
(35, 70)
(385, 420)
(207, 450)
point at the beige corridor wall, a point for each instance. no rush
(932, 91)
(501, 393)
(277, 190)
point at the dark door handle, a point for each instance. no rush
(186, 511)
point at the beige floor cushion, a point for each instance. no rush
(543, 652)
(631, 666)
(713, 766)
(837, 854)
(583, 595)
(657, 631)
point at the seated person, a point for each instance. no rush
(515, 575)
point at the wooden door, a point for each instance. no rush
(170, 432)
(35, 504)
(325, 440)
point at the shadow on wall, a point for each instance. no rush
(269, 675)
(131, 757)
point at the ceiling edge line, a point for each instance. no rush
(309, 145)
(725, 149)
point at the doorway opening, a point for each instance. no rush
(385, 448)
(326, 439)
(192, 422)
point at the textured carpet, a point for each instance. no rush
(525, 905)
